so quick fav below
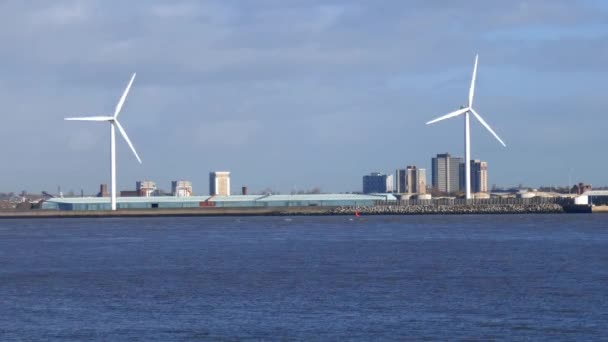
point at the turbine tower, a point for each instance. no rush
(113, 120)
(467, 139)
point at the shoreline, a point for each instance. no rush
(308, 211)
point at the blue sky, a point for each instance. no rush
(300, 94)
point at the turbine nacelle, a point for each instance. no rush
(475, 114)
(92, 118)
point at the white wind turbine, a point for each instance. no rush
(113, 120)
(467, 138)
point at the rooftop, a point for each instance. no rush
(235, 198)
(596, 193)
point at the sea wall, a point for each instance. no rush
(293, 211)
(545, 208)
(212, 211)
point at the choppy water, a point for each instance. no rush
(302, 278)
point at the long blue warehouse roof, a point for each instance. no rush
(235, 198)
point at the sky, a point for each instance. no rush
(296, 94)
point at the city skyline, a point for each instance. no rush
(319, 93)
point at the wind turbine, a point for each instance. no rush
(467, 138)
(113, 120)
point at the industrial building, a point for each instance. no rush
(181, 188)
(592, 197)
(145, 188)
(219, 183)
(238, 201)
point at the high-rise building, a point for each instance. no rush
(219, 183)
(145, 188)
(377, 183)
(415, 180)
(181, 188)
(479, 176)
(401, 181)
(446, 173)
(421, 181)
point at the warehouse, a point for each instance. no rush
(237, 201)
(593, 197)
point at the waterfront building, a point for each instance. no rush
(415, 180)
(446, 173)
(145, 188)
(236, 201)
(181, 188)
(401, 181)
(377, 183)
(219, 183)
(592, 197)
(479, 176)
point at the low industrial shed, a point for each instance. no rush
(593, 197)
(237, 201)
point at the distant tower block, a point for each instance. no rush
(181, 188)
(401, 181)
(377, 183)
(219, 183)
(244, 190)
(103, 190)
(415, 180)
(446, 173)
(479, 176)
(145, 188)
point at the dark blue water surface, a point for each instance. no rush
(305, 278)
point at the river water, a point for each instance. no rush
(305, 278)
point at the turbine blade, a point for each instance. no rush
(485, 124)
(124, 135)
(91, 118)
(123, 97)
(472, 89)
(450, 115)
